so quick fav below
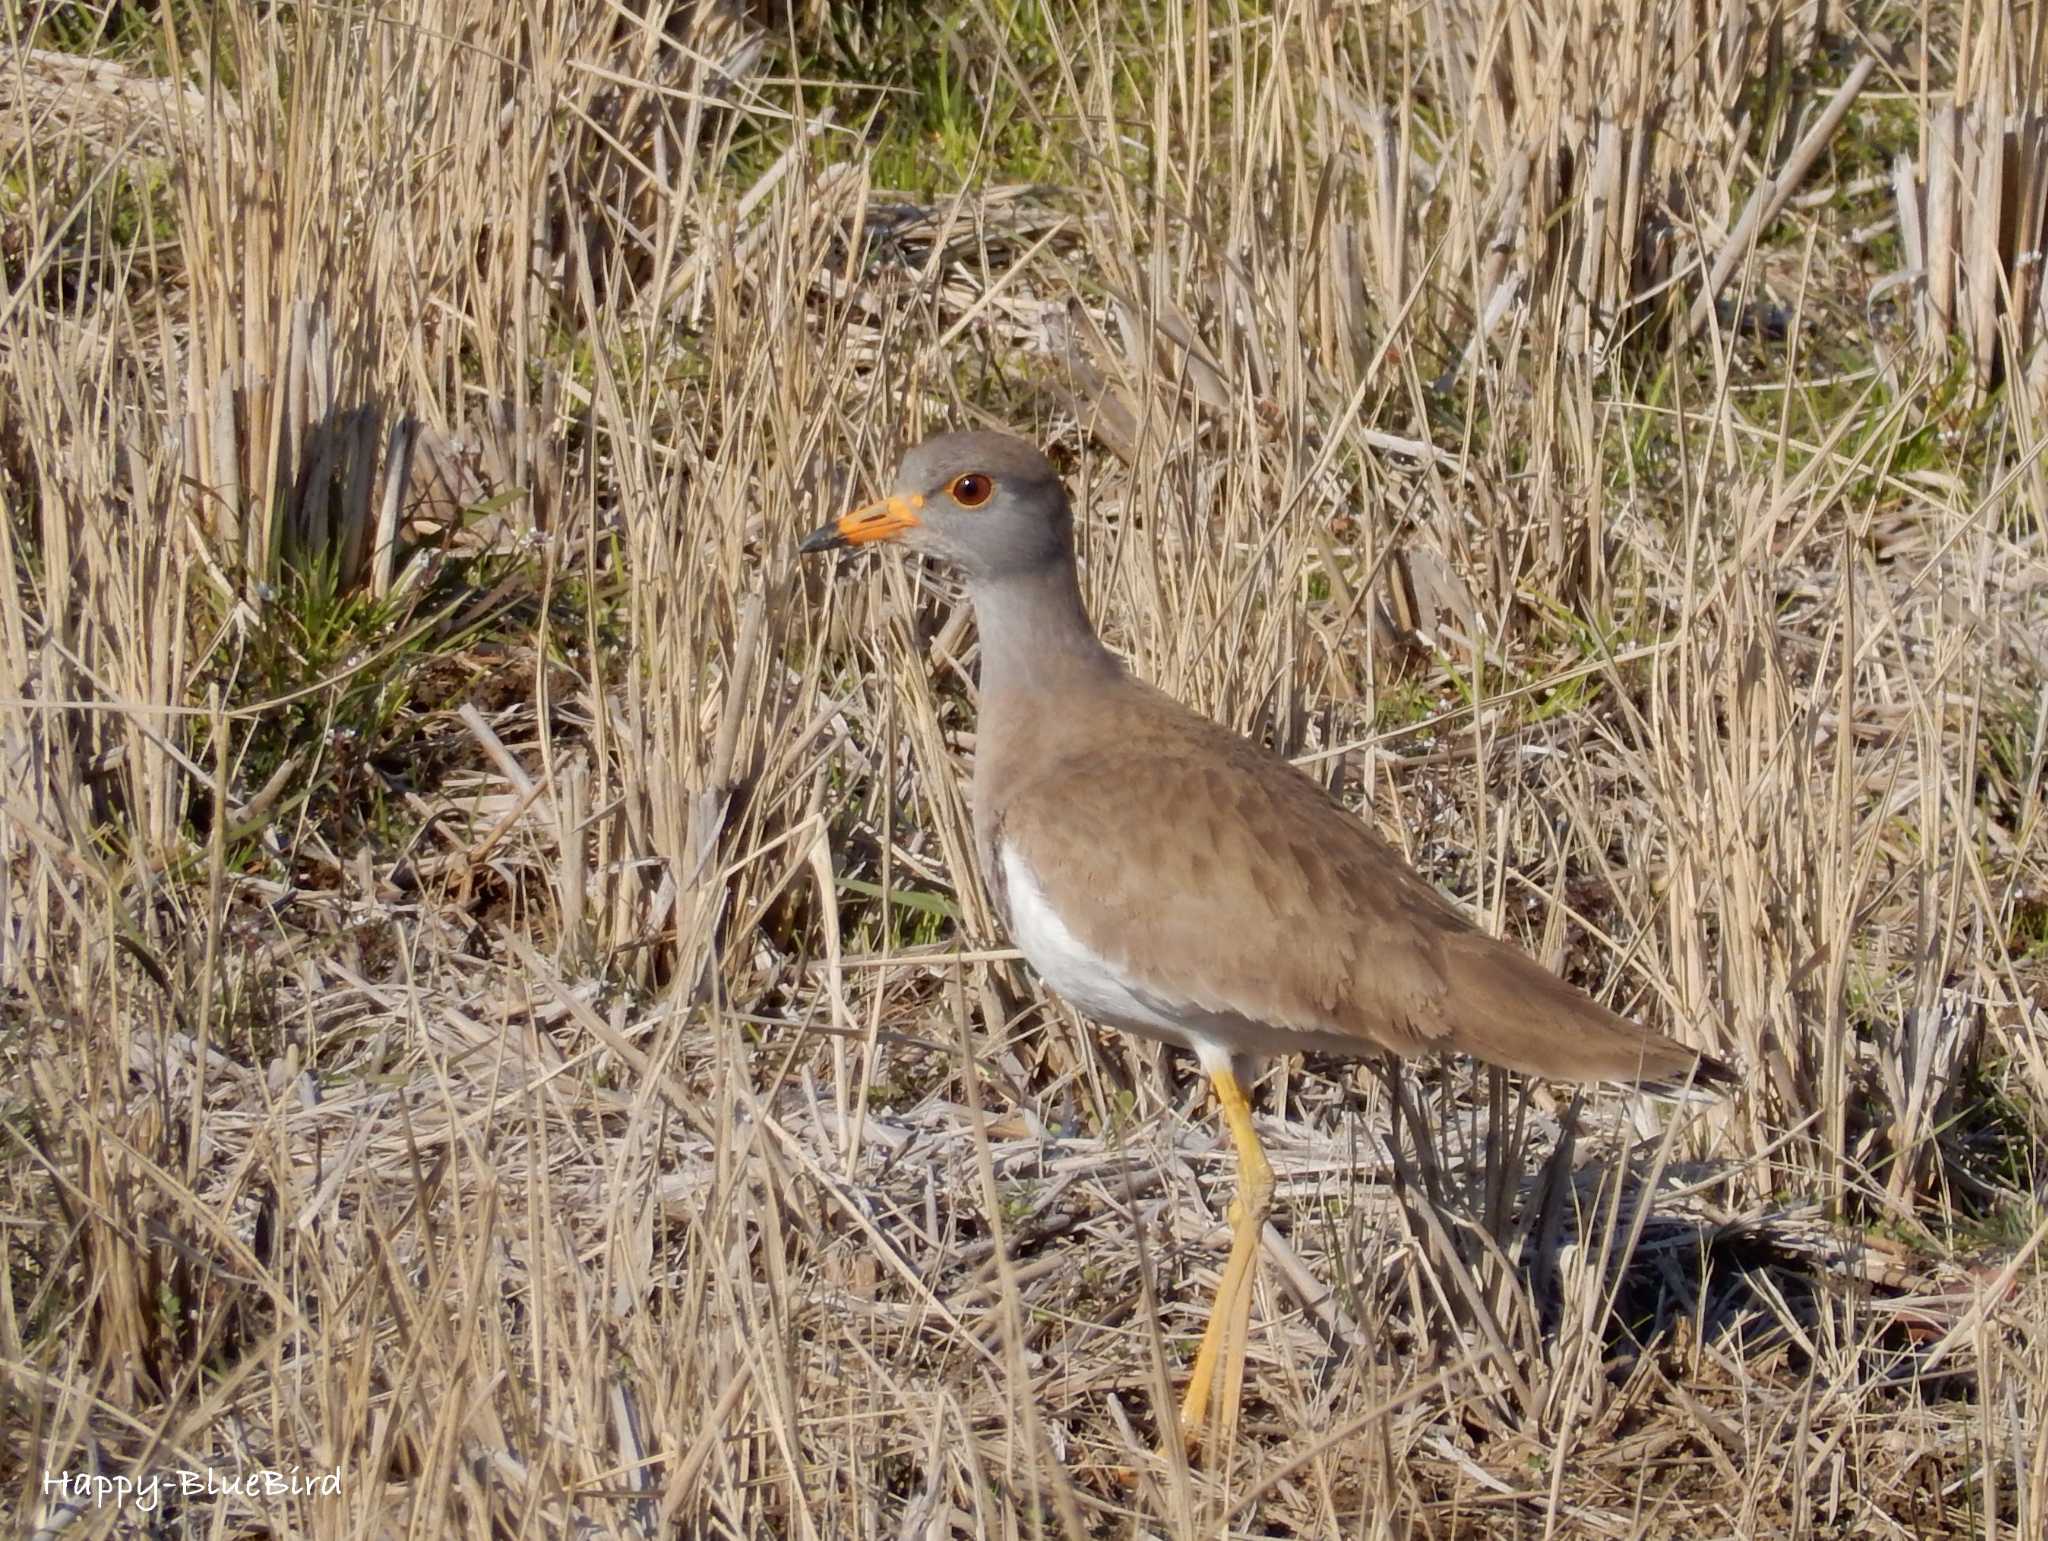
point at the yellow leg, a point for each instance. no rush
(1230, 1313)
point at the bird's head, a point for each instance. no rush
(989, 504)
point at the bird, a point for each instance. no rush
(1173, 879)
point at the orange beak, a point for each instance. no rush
(878, 521)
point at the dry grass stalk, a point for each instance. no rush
(1974, 208)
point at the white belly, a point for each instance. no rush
(1090, 982)
(1102, 988)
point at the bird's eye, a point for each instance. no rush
(972, 490)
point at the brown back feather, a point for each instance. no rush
(1219, 877)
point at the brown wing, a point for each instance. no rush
(1227, 885)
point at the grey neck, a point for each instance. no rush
(1035, 632)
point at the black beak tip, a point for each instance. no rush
(824, 538)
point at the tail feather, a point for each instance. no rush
(1509, 1010)
(1709, 1081)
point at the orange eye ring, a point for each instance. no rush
(972, 490)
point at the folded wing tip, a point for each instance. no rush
(1708, 1081)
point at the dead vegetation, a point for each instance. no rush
(491, 1001)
